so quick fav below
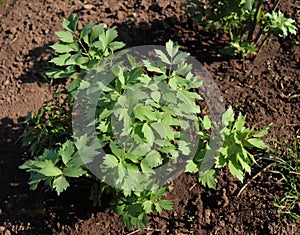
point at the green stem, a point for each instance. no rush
(84, 49)
(255, 20)
(259, 35)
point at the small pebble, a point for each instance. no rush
(89, 6)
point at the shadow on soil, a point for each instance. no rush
(41, 210)
(157, 32)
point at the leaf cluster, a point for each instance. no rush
(134, 209)
(233, 152)
(244, 22)
(54, 167)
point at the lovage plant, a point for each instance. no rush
(144, 125)
(245, 22)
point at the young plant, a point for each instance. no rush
(234, 152)
(287, 159)
(244, 21)
(141, 119)
(75, 55)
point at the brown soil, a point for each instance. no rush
(267, 91)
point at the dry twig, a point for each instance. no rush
(254, 177)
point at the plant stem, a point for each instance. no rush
(276, 5)
(259, 35)
(87, 53)
(255, 20)
(263, 42)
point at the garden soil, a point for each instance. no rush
(266, 89)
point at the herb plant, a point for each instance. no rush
(141, 120)
(234, 153)
(245, 22)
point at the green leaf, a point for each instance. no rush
(74, 84)
(140, 222)
(148, 133)
(155, 95)
(84, 34)
(62, 48)
(65, 36)
(189, 108)
(60, 73)
(191, 167)
(183, 68)
(148, 206)
(236, 170)
(82, 60)
(228, 117)
(141, 150)
(72, 171)
(84, 85)
(183, 146)
(97, 30)
(208, 178)
(258, 143)
(166, 204)
(110, 160)
(243, 163)
(180, 58)
(145, 167)
(35, 179)
(158, 207)
(151, 67)
(117, 150)
(121, 171)
(206, 123)
(153, 159)
(60, 184)
(49, 169)
(71, 23)
(262, 132)
(239, 123)
(49, 154)
(66, 151)
(144, 113)
(162, 56)
(60, 60)
(248, 4)
(157, 194)
(108, 37)
(161, 129)
(76, 161)
(116, 45)
(171, 48)
(222, 158)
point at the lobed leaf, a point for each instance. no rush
(49, 169)
(73, 171)
(208, 178)
(228, 117)
(60, 184)
(65, 36)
